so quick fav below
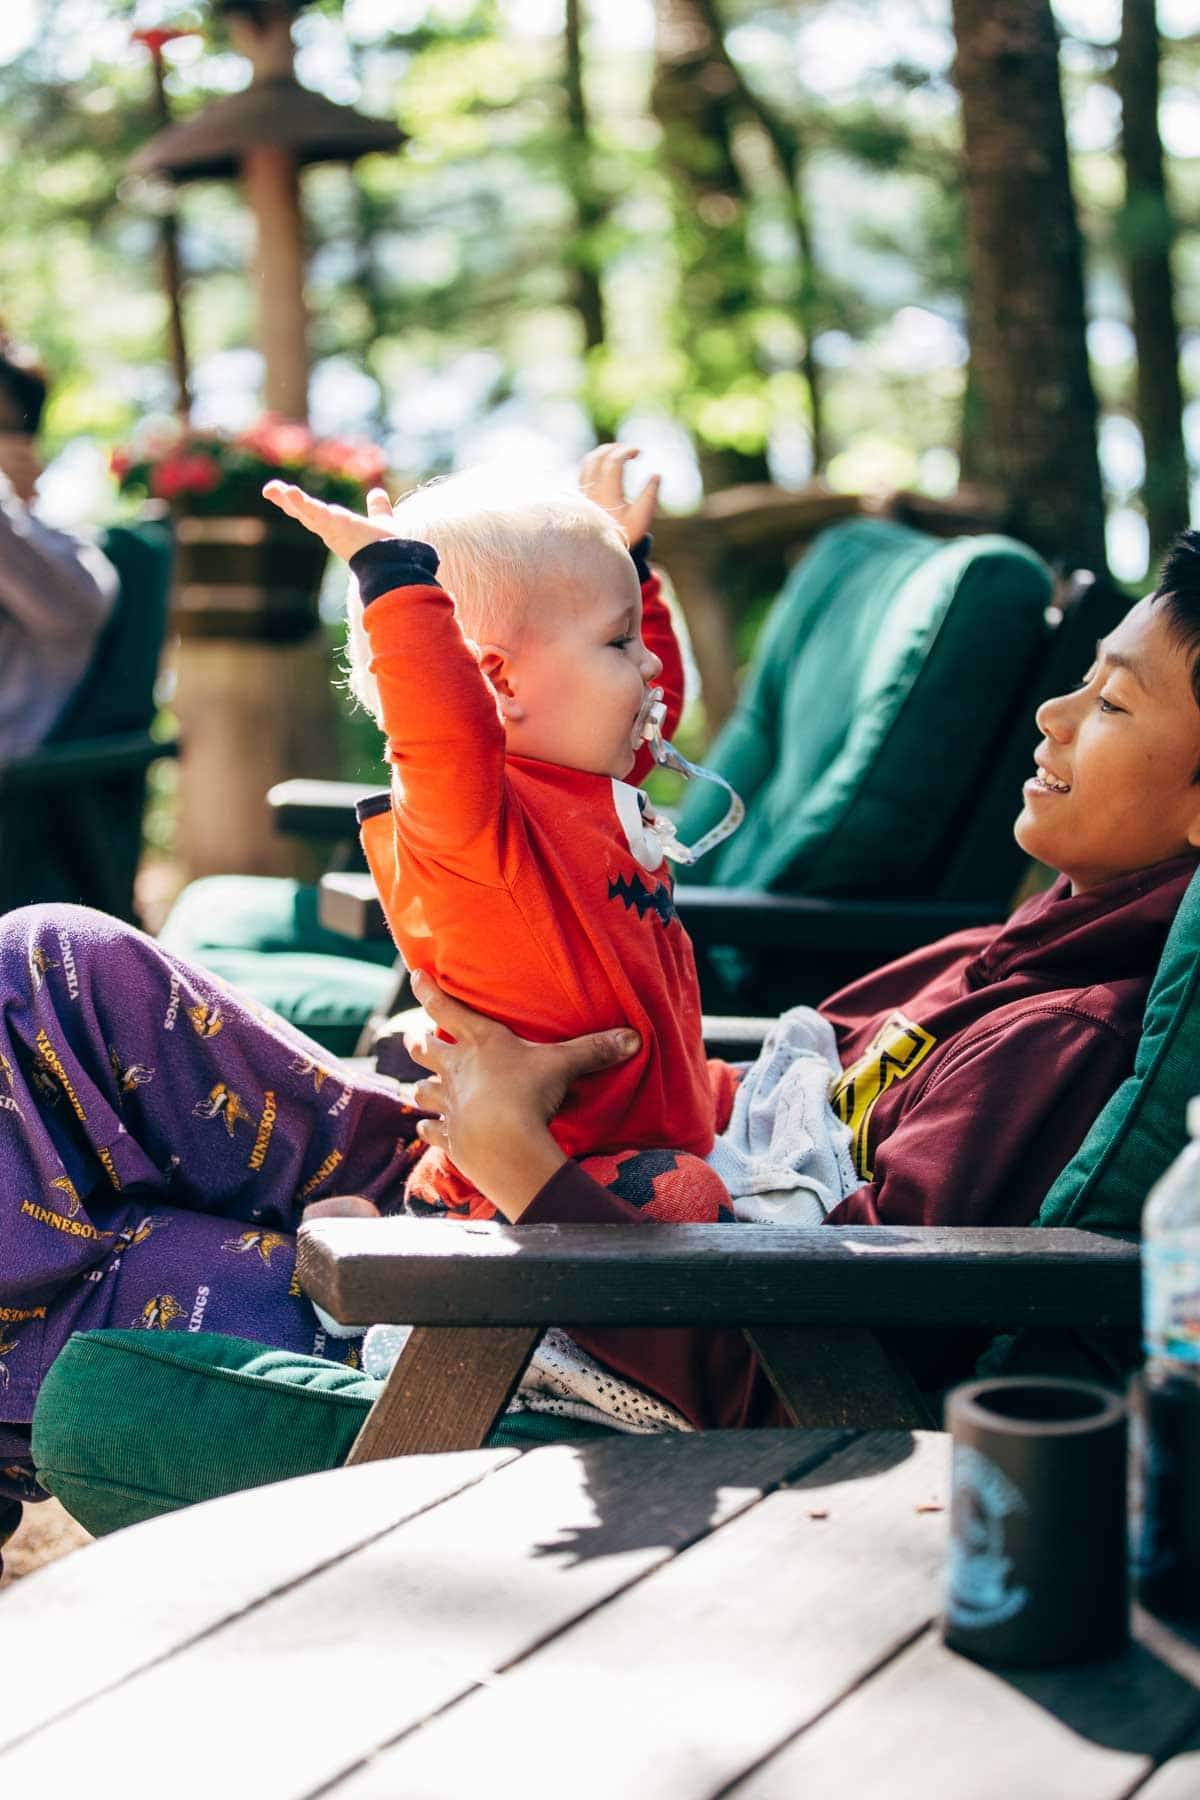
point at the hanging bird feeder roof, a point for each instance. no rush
(275, 111)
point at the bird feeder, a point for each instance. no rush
(264, 136)
(254, 697)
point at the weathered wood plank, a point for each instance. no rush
(681, 1683)
(408, 1271)
(308, 1684)
(918, 1726)
(87, 1624)
(830, 1375)
(446, 1390)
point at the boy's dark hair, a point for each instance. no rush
(1179, 592)
(23, 389)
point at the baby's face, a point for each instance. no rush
(581, 671)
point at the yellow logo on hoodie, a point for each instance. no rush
(892, 1055)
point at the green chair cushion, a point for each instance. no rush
(1144, 1126)
(328, 997)
(261, 934)
(885, 672)
(258, 912)
(130, 1424)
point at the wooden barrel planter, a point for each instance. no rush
(250, 578)
(254, 687)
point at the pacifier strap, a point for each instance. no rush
(668, 757)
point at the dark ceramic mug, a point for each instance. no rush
(1037, 1570)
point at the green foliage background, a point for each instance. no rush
(454, 263)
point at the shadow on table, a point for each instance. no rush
(1141, 1703)
(669, 1489)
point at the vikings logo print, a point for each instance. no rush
(42, 1076)
(40, 966)
(265, 1242)
(223, 1103)
(306, 1065)
(129, 1079)
(7, 1346)
(66, 1186)
(132, 1235)
(7, 1102)
(159, 1313)
(206, 1019)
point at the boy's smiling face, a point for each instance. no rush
(1115, 788)
(572, 689)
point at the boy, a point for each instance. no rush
(516, 863)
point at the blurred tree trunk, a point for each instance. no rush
(1029, 373)
(262, 32)
(587, 294)
(694, 99)
(588, 298)
(788, 151)
(1146, 233)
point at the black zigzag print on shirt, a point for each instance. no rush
(634, 893)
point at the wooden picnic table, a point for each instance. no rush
(738, 1613)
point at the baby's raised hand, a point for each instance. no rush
(601, 476)
(341, 530)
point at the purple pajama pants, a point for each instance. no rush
(159, 1136)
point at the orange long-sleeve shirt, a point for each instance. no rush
(514, 882)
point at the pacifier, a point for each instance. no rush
(652, 716)
(648, 728)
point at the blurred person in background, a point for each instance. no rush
(56, 590)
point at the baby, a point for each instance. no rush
(516, 859)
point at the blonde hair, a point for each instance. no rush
(500, 546)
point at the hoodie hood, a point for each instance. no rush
(1110, 932)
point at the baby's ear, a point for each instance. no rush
(495, 666)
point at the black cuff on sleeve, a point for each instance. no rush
(392, 563)
(640, 553)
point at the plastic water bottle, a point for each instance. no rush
(1167, 1508)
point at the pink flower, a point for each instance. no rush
(175, 461)
(184, 474)
(278, 440)
(364, 463)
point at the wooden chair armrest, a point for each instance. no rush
(808, 1301)
(85, 760)
(747, 919)
(418, 1272)
(348, 903)
(319, 809)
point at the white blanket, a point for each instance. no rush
(785, 1156)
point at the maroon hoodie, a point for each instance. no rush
(974, 1069)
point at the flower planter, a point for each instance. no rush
(246, 577)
